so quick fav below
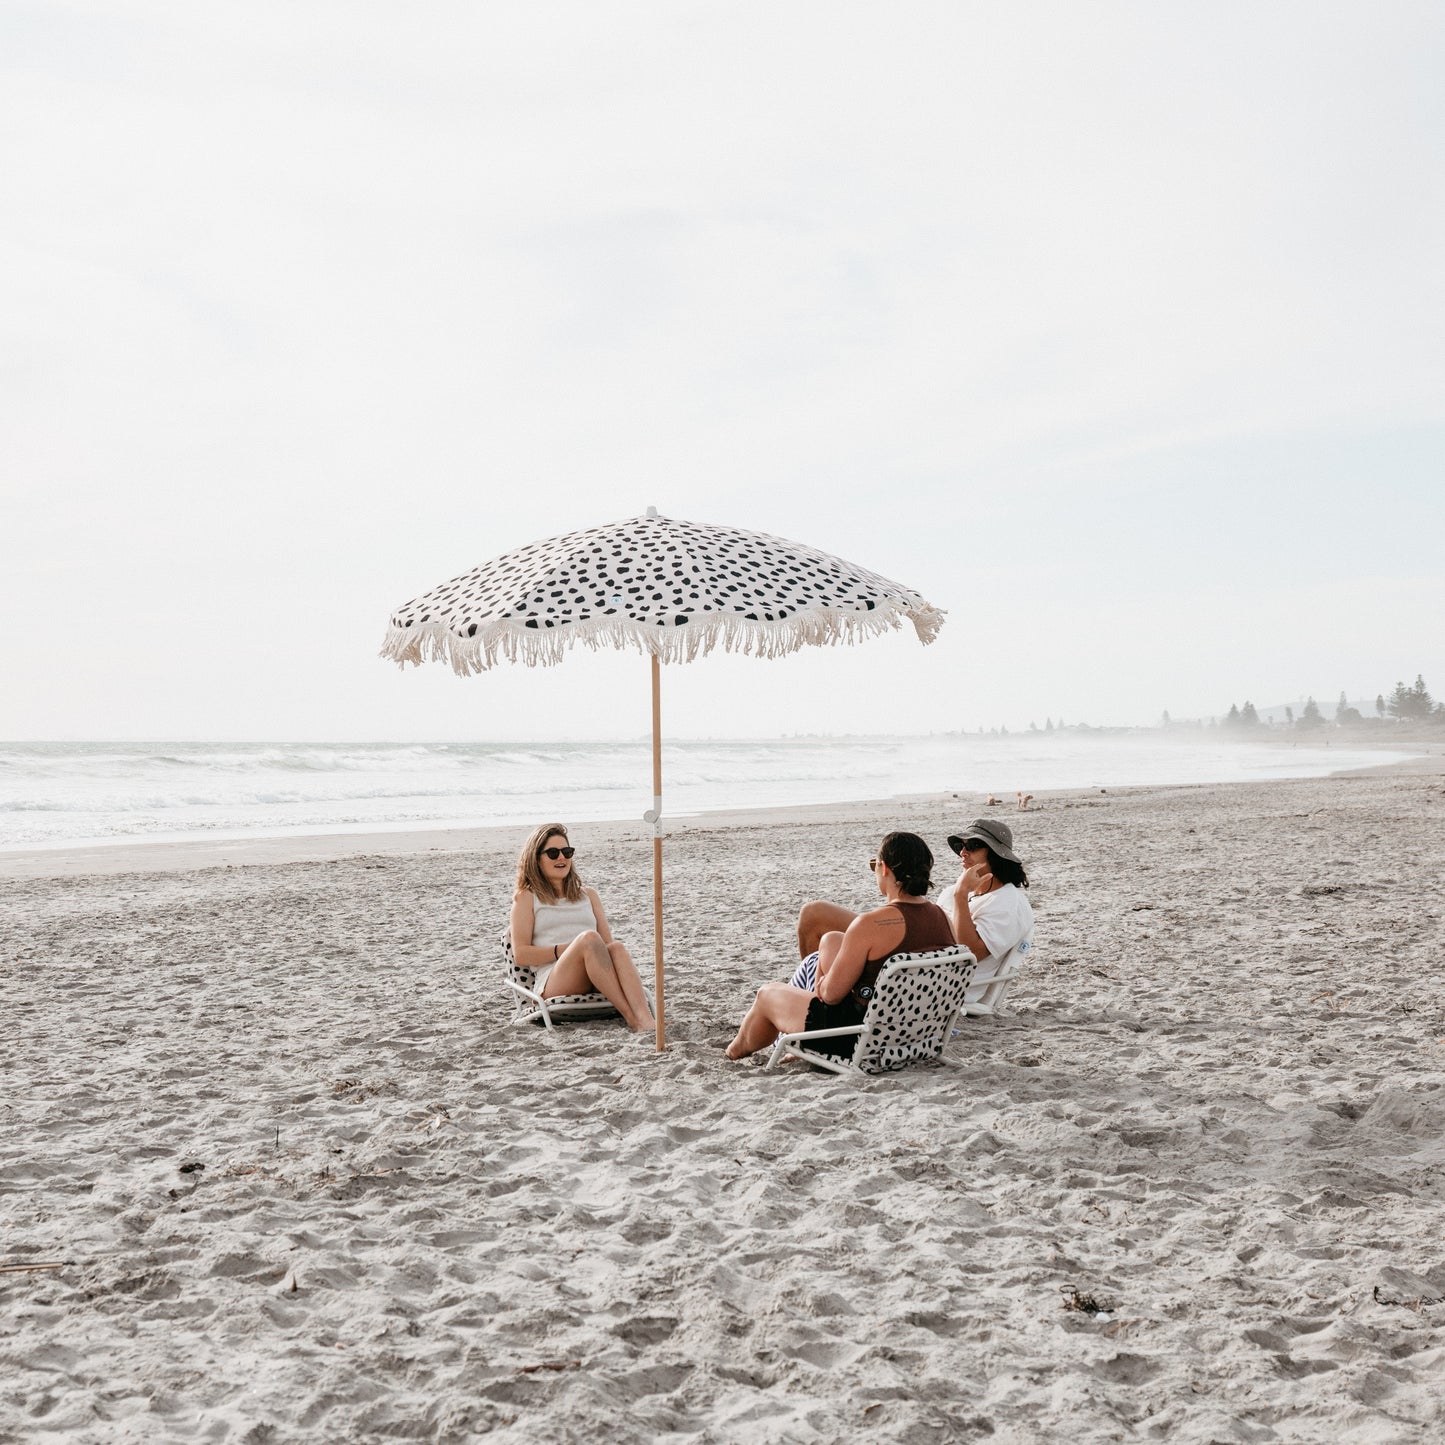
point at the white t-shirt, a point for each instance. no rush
(1004, 919)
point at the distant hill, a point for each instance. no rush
(1275, 712)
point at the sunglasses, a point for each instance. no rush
(872, 865)
(555, 853)
(972, 845)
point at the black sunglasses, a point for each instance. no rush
(555, 853)
(972, 845)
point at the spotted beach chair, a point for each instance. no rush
(908, 1020)
(532, 1008)
(987, 997)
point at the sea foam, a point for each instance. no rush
(57, 794)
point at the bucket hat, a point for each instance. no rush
(998, 836)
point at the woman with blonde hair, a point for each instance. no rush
(560, 930)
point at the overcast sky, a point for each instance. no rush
(1114, 329)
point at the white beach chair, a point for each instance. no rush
(988, 996)
(917, 998)
(532, 1008)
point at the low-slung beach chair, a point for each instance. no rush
(989, 995)
(917, 998)
(532, 1008)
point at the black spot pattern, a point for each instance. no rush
(909, 1017)
(663, 586)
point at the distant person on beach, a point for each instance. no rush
(850, 959)
(987, 908)
(560, 930)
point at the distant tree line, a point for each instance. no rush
(1405, 704)
(1411, 702)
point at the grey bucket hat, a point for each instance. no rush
(998, 836)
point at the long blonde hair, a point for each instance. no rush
(529, 866)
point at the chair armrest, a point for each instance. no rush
(1006, 975)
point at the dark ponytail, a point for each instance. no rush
(910, 861)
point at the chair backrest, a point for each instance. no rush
(527, 977)
(990, 991)
(917, 997)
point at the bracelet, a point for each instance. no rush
(556, 952)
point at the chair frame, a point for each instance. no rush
(531, 1006)
(794, 1045)
(1011, 965)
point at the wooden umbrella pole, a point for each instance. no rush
(657, 848)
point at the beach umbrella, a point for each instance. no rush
(672, 590)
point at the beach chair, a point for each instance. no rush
(988, 996)
(912, 1010)
(532, 1008)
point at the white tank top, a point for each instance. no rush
(561, 922)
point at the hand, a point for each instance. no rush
(974, 878)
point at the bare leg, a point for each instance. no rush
(631, 982)
(585, 965)
(818, 918)
(778, 1009)
(828, 946)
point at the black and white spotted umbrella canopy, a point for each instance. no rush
(671, 588)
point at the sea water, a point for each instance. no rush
(64, 794)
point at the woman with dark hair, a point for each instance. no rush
(850, 961)
(988, 907)
(560, 930)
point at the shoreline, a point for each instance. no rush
(199, 853)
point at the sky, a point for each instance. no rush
(1117, 331)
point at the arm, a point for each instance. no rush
(963, 927)
(869, 936)
(522, 920)
(603, 931)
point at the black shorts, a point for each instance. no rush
(834, 1016)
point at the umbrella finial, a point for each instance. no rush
(652, 511)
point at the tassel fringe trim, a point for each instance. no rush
(513, 641)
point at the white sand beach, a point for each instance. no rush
(272, 1168)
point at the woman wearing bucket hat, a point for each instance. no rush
(988, 907)
(850, 960)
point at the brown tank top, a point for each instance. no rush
(925, 929)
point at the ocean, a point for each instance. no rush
(68, 794)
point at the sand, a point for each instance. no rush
(301, 1183)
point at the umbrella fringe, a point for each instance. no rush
(514, 641)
